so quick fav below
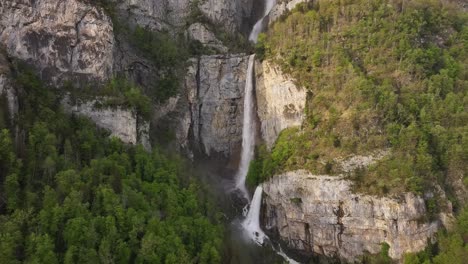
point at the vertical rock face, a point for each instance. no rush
(173, 14)
(320, 215)
(215, 90)
(155, 14)
(65, 40)
(6, 87)
(207, 116)
(231, 14)
(122, 123)
(280, 102)
(199, 32)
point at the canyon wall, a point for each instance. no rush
(319, 214)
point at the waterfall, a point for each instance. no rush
(248, 129)
(252, 229)
(251, 223)
(258, 26)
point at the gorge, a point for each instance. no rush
(233, 131)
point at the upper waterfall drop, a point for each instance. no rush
(269, 4)
(248, 129)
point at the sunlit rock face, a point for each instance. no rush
(63, 39)
(122, 123)
(283, 7)
(320, 214)
(280, 101)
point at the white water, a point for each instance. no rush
(258, 26)
(248, 130)
(251, 223)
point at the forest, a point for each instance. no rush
(71, 194)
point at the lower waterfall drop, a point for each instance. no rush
(251, 223)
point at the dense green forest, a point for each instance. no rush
(71, 194)
(380, 75)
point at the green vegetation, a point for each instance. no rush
(381, 74)
(117, 92)
(69, 194)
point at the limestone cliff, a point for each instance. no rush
(320, 214)
(282, 7)
(123, 123)
(280, 102)
(212, 104)
(7, 88)
(64, 40)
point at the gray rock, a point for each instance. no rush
(282, 7)
(121, 122)
(319, 214)
(280, 102)
(215, 95)
(199, 32)
(7, 88)
(64, 40)
(155, 14)
(231, 14)
(209, 110)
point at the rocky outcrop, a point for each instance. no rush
(121, 122)
(155, 14)
(215, 90)
(200, 33)
(280, 102)
(207, 116)
(283, 6)
(231, 14)
(64, 40)
(7, 88)
(320, 215)
(158, 15)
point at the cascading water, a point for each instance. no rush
(251, 223)
(258, 26)
(248, 130)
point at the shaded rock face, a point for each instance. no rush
(207, 116)
(320, 215)
(122, 123)
(233, 15)
(155, 14)
(63, 39)
(214, 90)
(280, 102)
(173, 14)
(199, 32)
(7, 88)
